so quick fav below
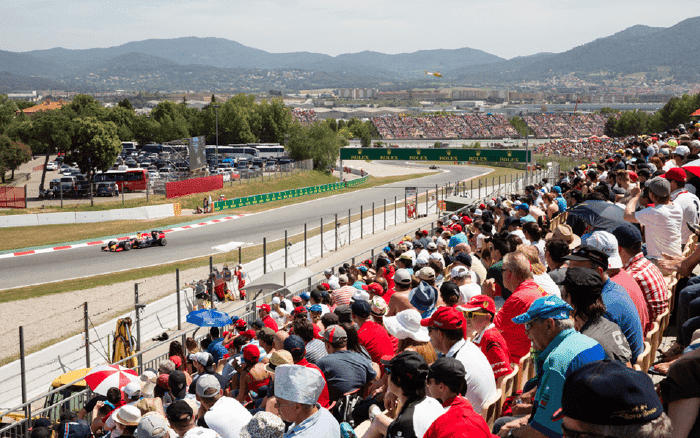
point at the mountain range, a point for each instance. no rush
(216, 64)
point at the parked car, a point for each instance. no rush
(52, 165)
(107, 188)
(65, 184)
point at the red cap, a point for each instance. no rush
(251, 353)
(446, 318)
(482, 206)
(675, 174)
(479, 302)
(299, 310)
(265, 307)
(466, 220)
(296, 299)
(610, 160)
(163, 381)
(177, 361)
(326, 286)
(249, 334)
(425, 232)
(457, 228)
(633, 176)
(374, 288)
(240, 323)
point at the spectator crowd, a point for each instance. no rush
(520, 317)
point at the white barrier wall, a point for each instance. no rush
(138, 213)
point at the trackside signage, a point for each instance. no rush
(230, 204)
(452, 154)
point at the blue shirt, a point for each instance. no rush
(345, 371)
(322, 424)
(457, 239)
(567, 352)
(561, 202)
(217, 349)
(622, 311)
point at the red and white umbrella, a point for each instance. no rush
(103, 377)
(693, 167)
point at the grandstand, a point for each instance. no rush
(304, 116)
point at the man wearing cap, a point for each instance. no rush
(372, 336)
(224, 415)
(462, 277)
(458, 238)
(688, 202)
(662, 222)
(345, 370)
(399, 299)
(649, 278)
(152, 425)
(297, 390)
(479, 312)
(620, 308)
(518, 277)
(476, 265)
(447, 384)
(297, 349)
(204, 363)
(446, 328)
(183, 421)
(216, 347)
(606, 242)
(562, 351)
(342, 295)
(607, 399)
(331, 279)
(264, 314)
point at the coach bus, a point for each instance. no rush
(158, 148)
(129, 180)
(231, 151)
(270, 150)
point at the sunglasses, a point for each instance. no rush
(528, 325)
(471, 315)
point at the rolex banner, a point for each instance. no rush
(278, 196)
(437, 154)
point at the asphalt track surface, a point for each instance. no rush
(198, 242)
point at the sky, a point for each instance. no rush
(506, 28)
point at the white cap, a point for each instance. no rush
(420, 260)
(275, 300)
(477, 212)
(682, 151)
(298, 384)
(606, 242)
(459, 272)
(132, 389)
(360, 295)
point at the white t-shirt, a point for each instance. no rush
(690, 204)
(200, 432)
(547, 284)
(662, 229)
(481, 384)
(227, 417)
(424, 413)
(540, 248)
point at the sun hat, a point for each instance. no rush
(127, 415)
(278, 358)
(565, 233)
(407, 324)
(298, 384)
(148, 382)
(379, 306)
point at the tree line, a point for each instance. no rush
(676, 111)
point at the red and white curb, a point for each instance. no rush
(105, 242)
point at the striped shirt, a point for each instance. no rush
(341, 297)
(652, 282)
(315, 350)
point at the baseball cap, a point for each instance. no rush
(457, 228)
(240, 323)
(334, 333)
(359, 295)
(682, 150)
(408, 365)
(265, 307)
(316, 308)
(299, 310)
(432, 245)
(295, 345)
(179, 411)
(511, 220)
(132, 389)
(445, 318)
(675, 174)
(207, 386)
(405, 256)
(477, 212)
(447, 370)
(606, 242)
(580, 281)
(627, 235)
(426, 273)
(479, 302)
(177, 382)
(556, 189)
(296, 299)
(342, 278)
(464, 258)
(328, 271)
(589, 253)
(402, 276)
(258, 324)
(659, 186)
(374, 288)
(279, 357)
(607, 392)
(305, 296)
(523, 206)
(549, 306)
(361, 308)
(449, 288)
(152, 425)
(459, 272)
(251, 353)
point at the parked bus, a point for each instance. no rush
(129, 146)
(270, 150)
(129, 180)
(231, 151)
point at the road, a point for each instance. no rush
(198, 242)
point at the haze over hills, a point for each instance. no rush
(218, 64)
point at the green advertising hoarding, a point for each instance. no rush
(437, 154)
(247, 201)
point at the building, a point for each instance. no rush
(45, 106)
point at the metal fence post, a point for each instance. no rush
(349, 225)
(405, 206)
(321, 237)
(137, 308)
(372, 217)
(87, 335)
(426, 203)
(395, 205)
(305, 245)
(264, 255)
(240, 255)
(23, 366)
(437, 200)
(384, 214)
(286, 251)
(177, 288)
(362, 221)
(336, 231)
(471, 188)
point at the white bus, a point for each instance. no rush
(271, 150)
(231, 151)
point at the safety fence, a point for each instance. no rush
(13, 197)
(167, 314)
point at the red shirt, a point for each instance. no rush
(459, 421)
(269, 322)
(624, 279)
(387, 295)
(494, 347)
(376, 340)
(324, 400)
(517, 304)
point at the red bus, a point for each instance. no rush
(129, 180)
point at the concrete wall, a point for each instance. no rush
(138, 213)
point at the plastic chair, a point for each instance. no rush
(524, 366)
(653, 337)
(506, 384)
(644, 359)
(663, 320)
(490, 411)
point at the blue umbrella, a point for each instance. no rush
(599, 214)
(208, 318)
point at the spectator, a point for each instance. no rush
(539, 272)
(447, 384)
(406, 327)
(125, 420)
(372, 336)
(253, 377)
(341, 296)
(204, 363)
(462, 277)
(662, 222)
(152, 425)
(563, 351)
(518, 276)
(345, 370)
(264, 314)
(479, 312)
(450, 293)
(315, 349)
(215, 348)
(689, 203)
(608, 399)
(331, 279)
(297, 389)
(555, 251)
(583, 291)
(649, 278)
(619, 306)
(424, 297)
(296, 347)
(498, 247)
(183, 421)
(224, 415)
(446, 328)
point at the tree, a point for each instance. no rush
(84, 105)
(123, 118)
(12, 155)
(172, 120)
(125, 103)
(317, 142)
(95, 145)
(521, 126)
(7, 112)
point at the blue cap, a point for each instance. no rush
(305, 296)
(556, 189)
(387, 249)
(543, 308)
(235, 318)
(316, 308)
(627, 235)
(423, 298)
(523, 206)
(528, 218)
(295, 345)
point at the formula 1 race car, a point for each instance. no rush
(142, 240)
